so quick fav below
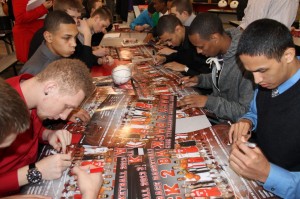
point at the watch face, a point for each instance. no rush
(34, 176)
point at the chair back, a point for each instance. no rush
(5, 23)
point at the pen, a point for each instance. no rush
(251, 145)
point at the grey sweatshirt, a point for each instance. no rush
(236, 87)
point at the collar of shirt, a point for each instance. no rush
(289, 83)
(161, 14)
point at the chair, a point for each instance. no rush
(6, 25)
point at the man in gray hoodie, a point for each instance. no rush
(232, 85)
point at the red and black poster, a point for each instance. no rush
(151, 80)
(196, 168)
(126, 121)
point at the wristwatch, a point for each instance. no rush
(34, 175)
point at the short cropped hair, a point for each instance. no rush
(103, 13)
(91, 4)
(64, 5)
(167, 24)
(55, 18)
(206, 24)
(183, 5)
(14, 114)
(72, 75)
(265, 37)
(151, 8)
(164, 1)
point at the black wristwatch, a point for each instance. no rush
(34, 175)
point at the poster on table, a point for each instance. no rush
(196, 168)
(127, 121)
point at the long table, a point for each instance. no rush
(156, 162)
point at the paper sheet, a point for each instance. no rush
(112, 35)
(189, 124)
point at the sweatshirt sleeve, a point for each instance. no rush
(205, 81)
(9, 183)
(24, 16)
(85, 54)
(232, 110)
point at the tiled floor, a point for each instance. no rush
(8, 72)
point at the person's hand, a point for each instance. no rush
(48, 4)
(166, 51)
(53, 166)
(146, 27)
(89, 183)
(189, 81)
(192, 101)
(139, 28)
(249, 162)
(159, 59)
(175, 66)
(100, 51)
(84, 29)
(60, 139)
(148, 37)
(27, 196)
(108, 60)
(240, 129)
(79, 115)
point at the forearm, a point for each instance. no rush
(24, 16)
(205, 81)
(85, 54)
(224, 108)
(45, 134)
(87, 40)
(22, 175)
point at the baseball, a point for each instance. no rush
(121, 74)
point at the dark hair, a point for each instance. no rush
(206, 24)
(14, 114)
(151, 8)
(265, 37)
(55, 18)
(167, 23)
(164, 1)
(91, 4)
(103, 13)
(183, 5)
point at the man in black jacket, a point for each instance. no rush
(171, 32)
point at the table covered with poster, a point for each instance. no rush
(134, 136)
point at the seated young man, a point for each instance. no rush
(175, 35)
(60, 41)
(232, 86)
(91, 6)
(15, 119)
(98, 22)
(71, 7)
(14, 115)
(183, 9)
(267, 50)
(144, 21)
(52, 94)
